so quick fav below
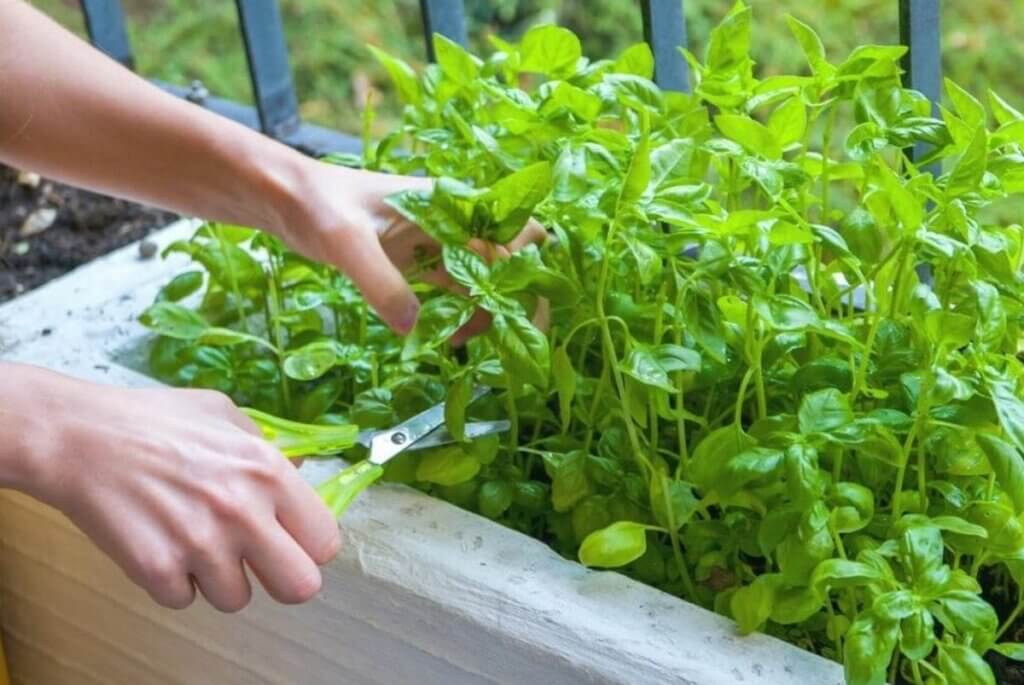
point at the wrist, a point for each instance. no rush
(33, 402)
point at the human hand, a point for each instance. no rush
(179, 488)
(343, 220)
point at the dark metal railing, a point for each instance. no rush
(277, 114)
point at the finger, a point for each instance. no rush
(175, 592)
(307, 520)
(382, 284)
(241, 420)
(223, 582)
(477, 324)
(533, 232)
(282, 567)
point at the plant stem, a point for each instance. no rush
(1010, 619)
(611, 356)
(233, 278)
(513, 417)
(673, 532)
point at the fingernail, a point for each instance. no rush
(408, 320)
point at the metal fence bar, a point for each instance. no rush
(309, 138)
(104, 21)
(271, 75)
(665, 32)
(919, 31)
(446, 17)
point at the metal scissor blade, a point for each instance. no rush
(473, 430)
(387, 443)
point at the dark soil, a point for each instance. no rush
(86, 226)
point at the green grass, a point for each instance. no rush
(181, 40)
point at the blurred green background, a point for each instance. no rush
(181, 40)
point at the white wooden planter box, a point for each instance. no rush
(422, 592)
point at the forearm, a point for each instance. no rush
(75, 115)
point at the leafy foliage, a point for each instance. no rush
(750, 395)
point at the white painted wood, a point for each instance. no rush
(421, 593)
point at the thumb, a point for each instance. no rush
(364, 261)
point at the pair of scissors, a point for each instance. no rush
(423, 431)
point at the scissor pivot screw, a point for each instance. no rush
(398, 438)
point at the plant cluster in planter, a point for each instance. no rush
(781, 377)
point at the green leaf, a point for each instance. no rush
(869, 644)
(467, 268)
(967, 106)
(569, 482)
(963, 666)
(905, 204)
(969, 170)
(402, 76)
(824, 411)
(311, 361)
(457, 64)
(524, 349)
(729, 43)
(967, 615)
(651, 365)
(917, 635)
(672, 502)
(810, 43)
(219, 336)
(1008, 465)
(514, 198)
(714, 451)
(181, 286)
(614, 546)
(749, 465)
(1009, 407)
(840, 573)
(752, 605)
(583, 104)
(751, 134)
(789, 122)
(495, 497)
(638, 175)
(565, 383)
(1011, 650)
(637, 59)
(173, 321)
(1003, 111)
(550, 50)
(449, 465)
(785, 312)
(795, 605)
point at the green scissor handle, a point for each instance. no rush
(339, 490)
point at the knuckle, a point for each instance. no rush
(215, 400)
(158, 575)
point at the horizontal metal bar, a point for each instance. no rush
(271, 75)
(308, 138)
(104, 21)
(446, 17)
(665, 32)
